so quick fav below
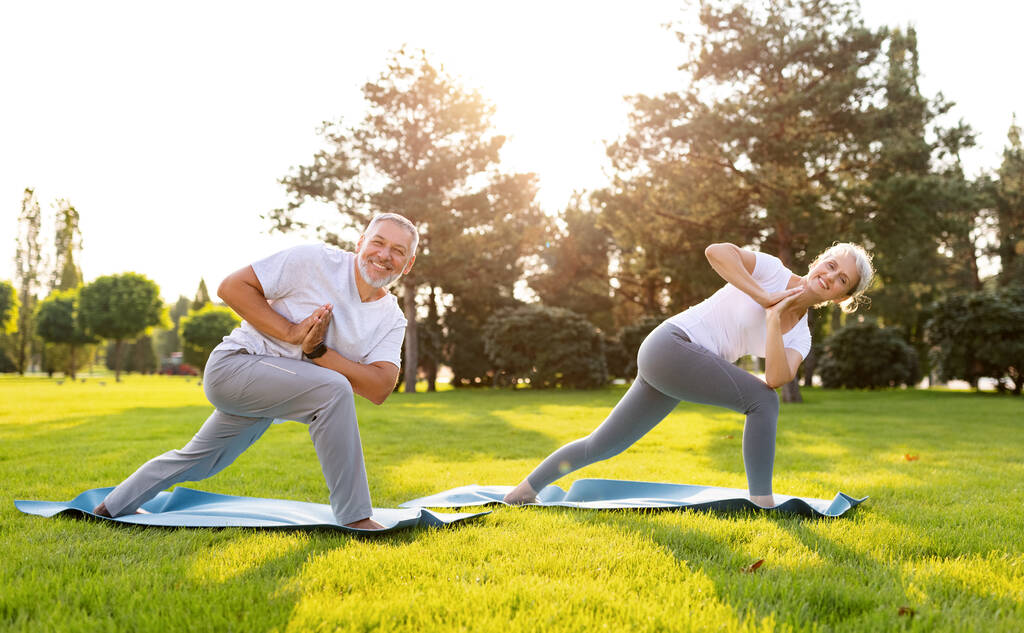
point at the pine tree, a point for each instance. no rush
(28, 261)
(66, 275)
(202, 296)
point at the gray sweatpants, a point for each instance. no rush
(671, 369)
(249, 392)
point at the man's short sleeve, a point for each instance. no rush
(390, 347)
(275, 272)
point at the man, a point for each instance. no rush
(278, 364)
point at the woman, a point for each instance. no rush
(761, 311)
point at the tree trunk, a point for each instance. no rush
(791, 391)
(411, 344)
(22, 351)
(430, 367)
(72, 370)
(117, 361)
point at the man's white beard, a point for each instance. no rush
(372, 280)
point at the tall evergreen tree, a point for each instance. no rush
(1009, 198)
(28, 262)
(202, 296)
(918, 208)
(67, 248)
(425, 149)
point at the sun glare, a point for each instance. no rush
(559, 81)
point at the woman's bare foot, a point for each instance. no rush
(101, 510)
(365, 524)
(523, 493)
(763, 501)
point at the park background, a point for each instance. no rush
(567, 166)
(831, 132)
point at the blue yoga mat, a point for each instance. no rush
(612, 494)
(184, 507)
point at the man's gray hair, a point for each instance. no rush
(401, 221)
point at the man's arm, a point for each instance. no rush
(243, 293)
(374, 381)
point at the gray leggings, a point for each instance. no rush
(671, 369)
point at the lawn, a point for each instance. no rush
(937, 547)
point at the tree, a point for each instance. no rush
(425, 149)
(774, 131)
(8, 308)
(575, 263)
(57, 321)
(8, 323)
(918, 210)
(67, 246)
(203, 330)
(202, 296)
(28, 260)
(1009, 198)
(120, 307)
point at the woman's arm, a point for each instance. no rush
(780, 362)
(736, 266)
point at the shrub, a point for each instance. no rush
(865, 356)
(980, 334)
(632, 336)
(549, 346)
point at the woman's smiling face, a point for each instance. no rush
(834, 278)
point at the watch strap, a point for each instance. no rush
(317, 351)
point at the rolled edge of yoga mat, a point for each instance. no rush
(185, 507)
(614, 494)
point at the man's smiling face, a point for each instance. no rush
(384, 254)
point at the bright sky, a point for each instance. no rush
(168, 125)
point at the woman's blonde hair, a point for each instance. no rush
(865, 272)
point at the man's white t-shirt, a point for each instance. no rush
(731, 324)
(299, 280)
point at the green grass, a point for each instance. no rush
(940, 535)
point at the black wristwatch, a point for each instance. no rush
(317, 352)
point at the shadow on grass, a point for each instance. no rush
(835, 586)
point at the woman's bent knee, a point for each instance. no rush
(765, 402)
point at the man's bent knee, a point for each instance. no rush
(338, 387)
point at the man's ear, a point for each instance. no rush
(408, 266)
(359, 243)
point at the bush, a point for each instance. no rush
(632, 336)
(980, 334)
(865, 356)
(549, 346)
